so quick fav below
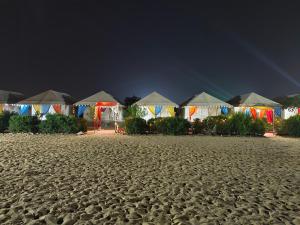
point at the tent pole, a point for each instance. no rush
(94, 122)
(273, 121)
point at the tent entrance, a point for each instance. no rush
(106, 115)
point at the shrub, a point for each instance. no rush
(278, 123)
(172, 126)
(211, 123)
(198, 127)
(257, 127)
(57, 123)
(236, 124)
(4, 120)
(20, 124)
(135, 125)
(222, 127)
(152, 125)
(134, 112)
(291, 126)
(239, 124)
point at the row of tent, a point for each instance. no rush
(107, 108)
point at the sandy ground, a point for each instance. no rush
(148, 180)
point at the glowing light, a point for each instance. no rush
(263, 58)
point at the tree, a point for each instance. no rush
(134, 112)
(131, 100)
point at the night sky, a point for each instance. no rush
(133, 48)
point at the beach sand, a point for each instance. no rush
(92, 179)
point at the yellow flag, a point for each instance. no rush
(171, 111)
(37, 108)
(152, 109)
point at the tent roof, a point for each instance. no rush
(252, 99)
(10, 97)
(155, 99)
(293, 95)
(205, 99)
(289, 100)
(101, 96)
(49, 97)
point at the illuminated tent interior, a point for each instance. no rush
(155, 105)
(204, 105)
(48, 102)
(256, 106)
(101, 108)
(290, 104)
(8, 100)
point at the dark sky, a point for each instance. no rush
(133, 47)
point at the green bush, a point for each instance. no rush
(235, 124)
(257, 127)
(57, 123)
(198, 127)
(291, 126)
(4, 120)
(151, 123)
(82, 124)
(211, 123)
(241, 124)
(222, 127)
(277, 124)
(23, 124)
(135, 125)
(172, 126)
(134, 111)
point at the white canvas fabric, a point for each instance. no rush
(207, 105)
(11, 108)
(252, 99)
(114, 113)
(10, 97)
(206, 100)
(291, 111)
(201, 113)
(65, 110)
(164, 113)
(49, 97)
(101, 96)
(155, 99)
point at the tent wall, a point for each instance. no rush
(65, 110)
(9, 108)
(258, 109)
(201, 112)
(108, 117)
(149, 115)
(113, 114)
(110, 114)
(260, 112)
(291, 111)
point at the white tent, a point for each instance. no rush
(47, 102)
(106, 109)
(155, 105)
(290, 105)
(256, 105)
(204, 105)
(8, 100)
